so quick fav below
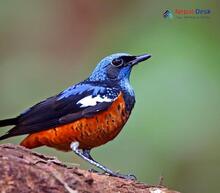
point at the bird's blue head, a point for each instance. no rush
(116, 67)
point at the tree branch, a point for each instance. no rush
(22, 170)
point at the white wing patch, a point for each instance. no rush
(92, 101)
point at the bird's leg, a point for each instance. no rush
(85, 154)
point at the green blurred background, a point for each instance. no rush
(45, 46)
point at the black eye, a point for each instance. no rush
(118, 62)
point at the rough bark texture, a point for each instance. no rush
(22, 170)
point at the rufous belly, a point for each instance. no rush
(89, 132)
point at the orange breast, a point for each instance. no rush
(89, 132)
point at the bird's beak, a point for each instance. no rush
(140, 58)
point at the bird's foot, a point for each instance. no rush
(124, 176)
(114, 174)
(92, 170)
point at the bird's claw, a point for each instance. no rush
(115, 174)
(92, 170)
(131, 177)
(127, 177)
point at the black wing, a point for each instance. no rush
(64, 108)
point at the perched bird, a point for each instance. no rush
(83, 116)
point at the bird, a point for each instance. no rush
(85, 115)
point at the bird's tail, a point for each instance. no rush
(7, 122)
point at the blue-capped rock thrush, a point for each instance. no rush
(85, 115)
